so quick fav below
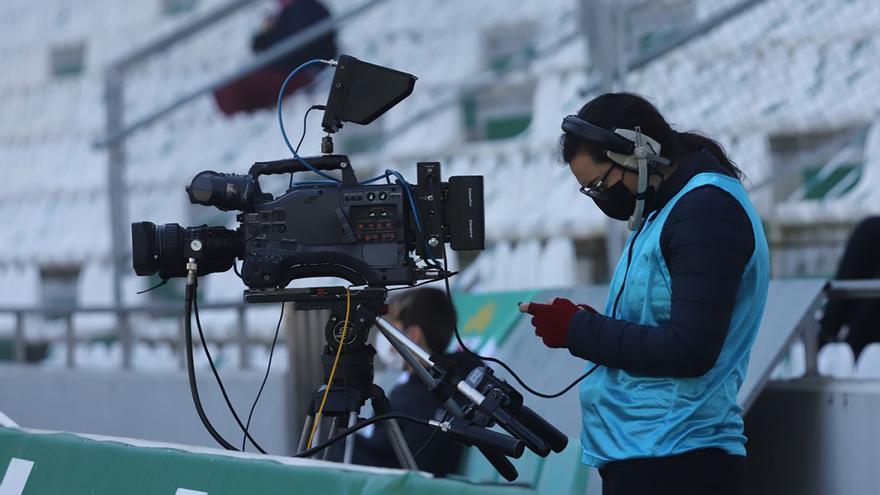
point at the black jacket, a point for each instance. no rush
(295, 18)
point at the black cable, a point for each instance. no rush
(348, 431)
(235, 269)
(423, 282)
(265, 377)
(502, 363)
(220, 381)
(190, 368)
(431, 437)
(629, 258)
(303, 136)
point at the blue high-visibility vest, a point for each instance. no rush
(626, 415)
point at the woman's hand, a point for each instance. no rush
(551, 320)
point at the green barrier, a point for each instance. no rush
(33, 463)
(484, 320)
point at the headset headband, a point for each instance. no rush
(579, 127)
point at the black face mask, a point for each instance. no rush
(617, 202)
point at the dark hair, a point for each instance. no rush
(628, 110)
(430, 309)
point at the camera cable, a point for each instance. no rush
(190, 368)
(265, 378)
(431, 436)
(332, 369)
(281, 115)
(213, 367)
(363, 424)
(506, 367)
(502, 363)
(303, 136)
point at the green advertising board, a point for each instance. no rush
(485, 320)
(42, 463)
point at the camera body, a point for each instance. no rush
(363, 233)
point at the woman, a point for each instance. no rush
(684, 306)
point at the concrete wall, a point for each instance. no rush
(151, 406)
(815, 436)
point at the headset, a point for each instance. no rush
(628, 148)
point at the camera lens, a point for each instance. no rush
(224, 191)
(163, 249)
(157, 248)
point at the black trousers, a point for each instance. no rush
(705, 471)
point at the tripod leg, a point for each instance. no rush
(381, 405)
(401, 449)
(307, 429)
(334, 425)
(317, 439)
(349, 441)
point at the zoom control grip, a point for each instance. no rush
(486, 439)
(549, 433)
(501, 464)
(513, 426)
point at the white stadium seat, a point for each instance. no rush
(836, 360)
(868, 364)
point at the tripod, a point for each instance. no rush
(490, 400)
(353, 378)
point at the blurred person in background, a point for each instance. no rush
(684, 305)
(426, 316)
(861, 260)
(259, 89)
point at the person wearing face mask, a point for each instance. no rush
(428, 318)
(671, 347)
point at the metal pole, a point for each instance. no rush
(114, 100)
(242, 340)
(605, 47)
(305, 338)
(70, 339)
(20, 345)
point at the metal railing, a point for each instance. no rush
(809, 326)
(127, 338)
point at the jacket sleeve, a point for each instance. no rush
(707, 241)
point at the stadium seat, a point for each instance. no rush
(868, 364)
(836, 360)
(558, 265)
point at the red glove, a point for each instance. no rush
(551, 320)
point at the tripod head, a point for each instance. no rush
(364, 304)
